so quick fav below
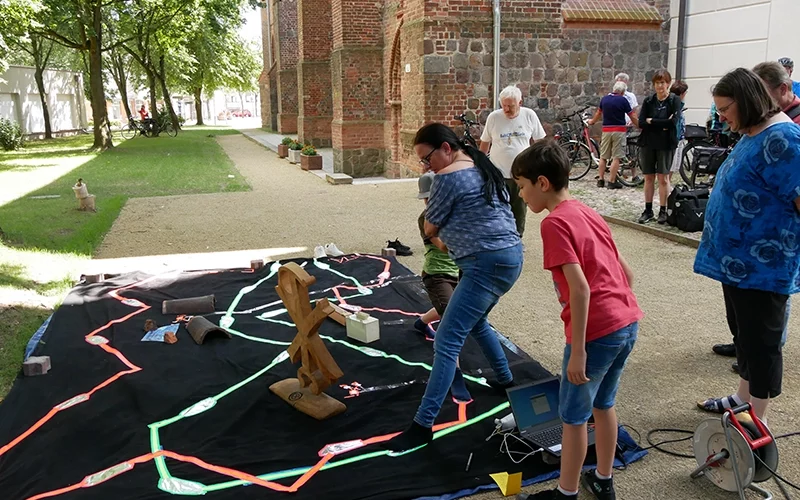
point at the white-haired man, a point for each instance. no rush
(630, 96)
(507, 133)
(615, 109)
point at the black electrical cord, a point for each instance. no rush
(775, 473)
(659, 444)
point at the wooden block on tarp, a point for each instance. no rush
(320, 406)
(339, 315)
(388, 252)
(36, 365)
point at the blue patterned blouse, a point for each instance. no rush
(467, 223)
(750, 238)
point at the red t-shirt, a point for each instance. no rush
(575, 234)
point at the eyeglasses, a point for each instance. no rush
(725, 109)
(427, 160)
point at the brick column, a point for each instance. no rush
(268, 80)
(314, 72)
(286, 14)
(358, 98)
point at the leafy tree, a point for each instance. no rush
(16, 17)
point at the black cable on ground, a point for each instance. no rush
(775, 473)
(659, 444)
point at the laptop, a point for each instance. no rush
(535, 408)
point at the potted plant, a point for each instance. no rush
(294, 152)
(310, 159)
(283, 147)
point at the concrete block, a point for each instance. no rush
(36, 365)
(363, 327)
(388, 252)
(338, 178)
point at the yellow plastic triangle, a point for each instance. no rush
(510, 484)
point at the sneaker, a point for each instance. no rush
(602, 489)
(319, 252)
(332, 251)
(399, 248)
(646, 217)
(728, 350)
(601, 183)
(554, 494)
(662, 216)
(614, 185)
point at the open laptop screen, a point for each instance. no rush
(534, 404)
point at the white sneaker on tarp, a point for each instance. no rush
(332, 251)
(319, 252)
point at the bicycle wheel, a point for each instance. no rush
(630, 170)
(580, 159)
(127, 132)
(686, 160)
(170, 130)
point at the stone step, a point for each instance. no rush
(337, 178)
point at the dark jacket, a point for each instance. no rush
(662, 133)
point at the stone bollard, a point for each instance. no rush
(85, 200)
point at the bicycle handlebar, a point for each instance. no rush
(463, 119)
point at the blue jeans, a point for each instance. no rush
(487, 276)
(605, 360)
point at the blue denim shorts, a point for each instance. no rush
(605, 360)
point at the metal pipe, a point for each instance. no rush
(496, 81)
(681, 39)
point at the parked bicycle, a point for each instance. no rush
(467, 135)
(703, 154)
(147, 128)
(584, 152)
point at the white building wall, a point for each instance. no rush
(20, 101)
(725, 34)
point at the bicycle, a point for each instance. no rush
(584, 152)
(701, 147)
(467, 124)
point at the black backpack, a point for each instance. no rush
(792, 113)
(686, 208)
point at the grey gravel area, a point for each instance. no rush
(671, 367)
(626, 203)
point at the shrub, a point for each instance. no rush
(295, 146)
(10, 135)
(309, 150)
(286, 141)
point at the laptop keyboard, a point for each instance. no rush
(548, 437)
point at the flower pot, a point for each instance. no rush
(283, 150)
(313, 162)
(294, 156)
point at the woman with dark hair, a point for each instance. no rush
(469, 211)
(658, 120)
(750, 240)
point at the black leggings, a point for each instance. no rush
(756, 319)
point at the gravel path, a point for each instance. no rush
(670, 369)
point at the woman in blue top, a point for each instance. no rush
(469, 211)
(750, 240)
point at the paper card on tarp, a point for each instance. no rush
(510, 484)
(157, 335)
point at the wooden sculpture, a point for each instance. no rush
(318, 370)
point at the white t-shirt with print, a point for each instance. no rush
(510, 137)
(631, 97)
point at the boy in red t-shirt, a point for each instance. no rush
(600, 314)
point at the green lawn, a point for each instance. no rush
(41, 236)
(190, 163)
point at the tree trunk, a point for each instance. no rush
(151, 84)
(102, 133)
(162, 76)
(121, 80)
(39, 77)
(198, 105)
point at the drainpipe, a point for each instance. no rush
(496, 9)
(681, 39)
(269, 34)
